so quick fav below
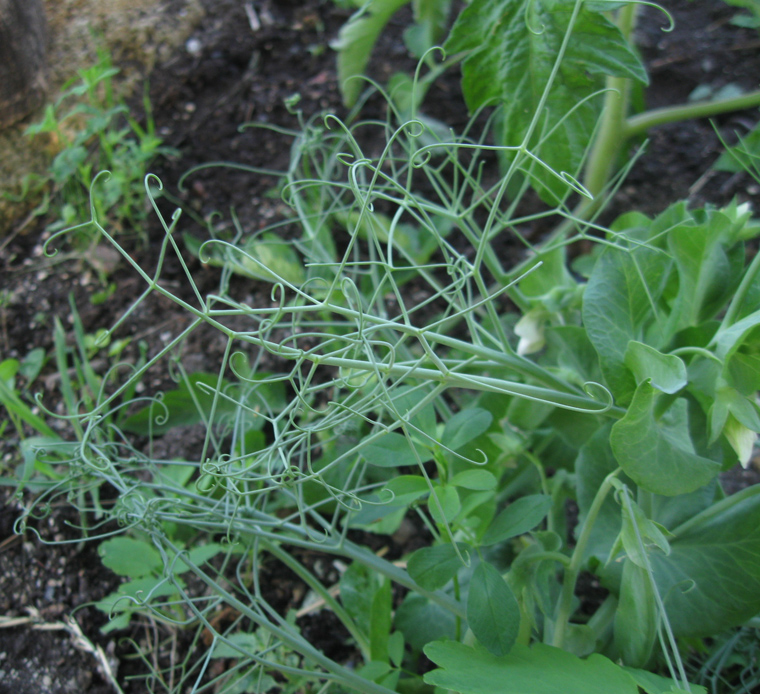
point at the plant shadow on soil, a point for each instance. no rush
(234, 75)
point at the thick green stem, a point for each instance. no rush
(637, 125)
(565, 605)
(610, 138)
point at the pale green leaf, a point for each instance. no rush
(130, 557)
(666, 372)
(657, 454)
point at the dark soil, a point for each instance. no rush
(231, 75)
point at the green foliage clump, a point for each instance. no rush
(405, 370)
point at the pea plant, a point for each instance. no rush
(402, 369)
(508, 52)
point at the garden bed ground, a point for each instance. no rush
(235, 69)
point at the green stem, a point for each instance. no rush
(610, 138)
(565, 605)
(636, 125)
(310, 580)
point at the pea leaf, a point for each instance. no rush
(422, 621)
(355, 41)
(465, 426)
(477, 480)
(444, 503)
(492, 610)
(710, 581)
(539, 669)
(667, 372)
(394, 450)
(126, 556)
(657, 454)
(618, 306)
(518, 518)
(513, 45)
(433, 567)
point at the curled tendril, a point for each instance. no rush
(530, 9)
(414, 128)
(600, 393)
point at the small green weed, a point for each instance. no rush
(90, 130)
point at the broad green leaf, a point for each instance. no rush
(666, 372)
(406, 489)
(477, 480)
(729, 338)
(433, 567)
(656, 684)
(636, 618)
(546, 278)
(538, 669)
(657, 454)
(377, 515)
(126, 556)
(518, 518)
(512, 47)
(492, 610)
(444, 503)
(618, 306)
(267, 257)
(32, 364)
(355, 41)
(708, 272)
(465, 426)
(569, 347)
(394, 450)
(710, 581)
(422, 621)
